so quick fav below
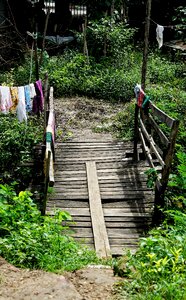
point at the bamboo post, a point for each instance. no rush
(47, 161)
(136, 158)
(85, 47)
(160, 190)
(36, 56)
(44, 35)
(146, 43)
(45, 100)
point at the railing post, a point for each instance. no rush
(160, 190)
(135, 154)
(45, 100)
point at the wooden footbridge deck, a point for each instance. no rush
(102, 184)
(104, 191)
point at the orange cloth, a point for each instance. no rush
(15, 98)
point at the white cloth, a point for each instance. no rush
(159, 35)
(21, 108)
(5, 99)
(32, 90)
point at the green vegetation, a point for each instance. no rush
(157, 270)
(16, 147)
(29, 240)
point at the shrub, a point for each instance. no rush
(157, 270)
(31, 241)
(16, 146)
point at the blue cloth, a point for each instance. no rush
(28, 98)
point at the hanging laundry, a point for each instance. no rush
(21, 108)
(28, 98)
(5, 99)
(15, 99)
(38, 99)
(159, 35)
(139, 94)
(32, 90)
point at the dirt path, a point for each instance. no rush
(85, 119)
(93, 283)
(76, 119)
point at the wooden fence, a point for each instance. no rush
(49, 140)
(157, 146)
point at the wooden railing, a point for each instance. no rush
(157, 146)
(49, 140)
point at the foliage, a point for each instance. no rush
(71, 75)
(180, 20)
(151, 177)
(29, 240)
(177, 182)
(123, 123)
(162, 70)
(157, 270)
(16, 146)
(109, 37)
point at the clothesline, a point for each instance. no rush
(22, 100)
(166, 26)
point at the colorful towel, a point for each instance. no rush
(5, 99)
(28, 98)
(15, 99)
(21, 108)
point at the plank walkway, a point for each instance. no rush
(105, 192)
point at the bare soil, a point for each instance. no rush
(81, 118)
(94, 283)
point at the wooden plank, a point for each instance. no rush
(120, 250)
(160, 133)
(104, 197)
(152, 143)
(98, 224)
(161, 115)
(51, 171)
(137, 224)
(146, 149)
(107, 212)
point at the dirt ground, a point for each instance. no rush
(91, 283)
(81, 118)
(78, 119)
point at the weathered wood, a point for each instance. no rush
(136, 136)
(107, 212)
(146, 149)
(152, 143)
(99, 229)
(163, 117)
(159, 192)
(157, 129)
(129, 225)
(51, 99)
(45, 100)
(146, 43)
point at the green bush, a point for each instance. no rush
(31, 241)
(157, 270)
(16, 146)
(73, 76)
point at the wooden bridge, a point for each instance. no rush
(102, 184)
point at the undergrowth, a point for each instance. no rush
(17, 141)
(30, 240)
(157, 270)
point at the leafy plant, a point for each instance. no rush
(151, 177)
(29, 240)
(16, 146)
(157, 269)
